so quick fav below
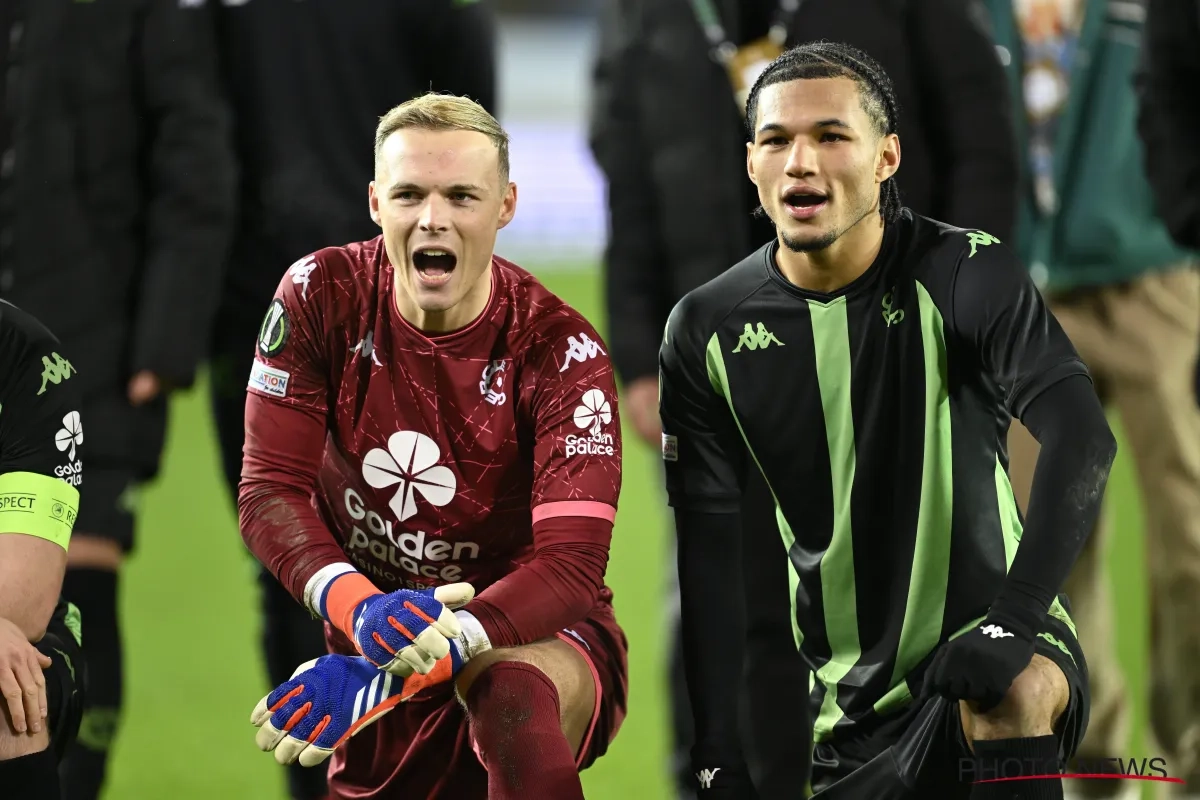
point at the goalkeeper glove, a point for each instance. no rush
(980, 665)
(330, 699)
(400, 632)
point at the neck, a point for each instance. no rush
(457, 317)
(837, 265)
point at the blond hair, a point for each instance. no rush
(444, 112)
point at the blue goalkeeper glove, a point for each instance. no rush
(401, 632)
(330, 699)
(980, 665)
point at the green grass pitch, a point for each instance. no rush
(194, 672)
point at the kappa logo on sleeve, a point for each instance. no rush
(276, 328)
(268, 379)
(301, 272)
(579, 350)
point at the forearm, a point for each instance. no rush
(1077, 450)
(283, 450)
(713, 630)
(31, 575)
(555, 590)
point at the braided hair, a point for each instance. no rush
(836, 60)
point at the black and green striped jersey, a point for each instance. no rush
(41, 434)
(878, 415)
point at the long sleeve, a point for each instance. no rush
(190, 183)
(966, 98)
(636, 291)
(1019, 344)
(1168, 116)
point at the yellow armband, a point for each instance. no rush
(38, 505)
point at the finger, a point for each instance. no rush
(44, 661)
(447, 624)
(29, 695)
(454, 595)
(268, 736)
(417, 659)
(433, 643)
(289, 750)
(312, 755)
(261, 712)
(39, 678)
(12, 697)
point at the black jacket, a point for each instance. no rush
(1168, 114)
(116, 189)
(668, 136)
(118, 205)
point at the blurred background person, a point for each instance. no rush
(116, 205)
(1169, 119)
(308, 83)
(668, 133)
(1129, 299)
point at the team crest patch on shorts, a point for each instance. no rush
(268, 379)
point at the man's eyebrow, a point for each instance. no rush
(832, 122)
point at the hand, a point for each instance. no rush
(640, 407)
(980, 665)
(144, 387)
(21, 678)
(331, 698)
(409, 631)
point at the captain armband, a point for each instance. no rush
(38, 505)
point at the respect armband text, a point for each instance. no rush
(38, 505)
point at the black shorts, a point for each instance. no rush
(66, 677)
(920, 752)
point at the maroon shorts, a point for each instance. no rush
(423, 748)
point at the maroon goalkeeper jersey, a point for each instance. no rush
(426, 460)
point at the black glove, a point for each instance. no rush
(981, 664)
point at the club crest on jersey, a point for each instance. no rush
(579, 350)
(276, 327)
(491, 383)
(592, 414)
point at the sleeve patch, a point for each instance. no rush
(268, 379)
(276, 327)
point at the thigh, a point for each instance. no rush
(65, 677)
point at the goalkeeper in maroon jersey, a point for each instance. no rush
(432, 465)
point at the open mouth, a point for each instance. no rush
(804, 203)
(434, 264)
(804, 199)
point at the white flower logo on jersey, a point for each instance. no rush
(592, 413)
(71, 434)
(410, 461)
(300, 272)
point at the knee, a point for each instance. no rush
(1032, 707)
